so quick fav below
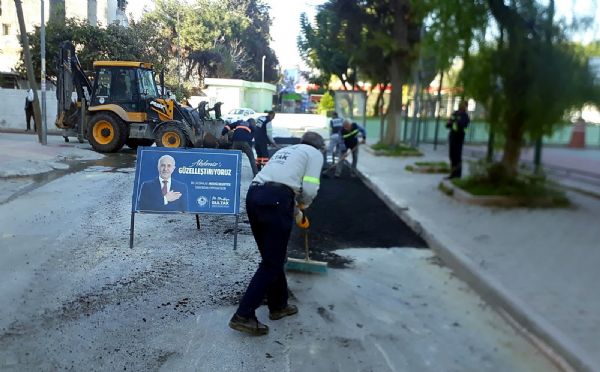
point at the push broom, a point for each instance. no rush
(340, 159)
(306, 265)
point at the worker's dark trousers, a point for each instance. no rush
(262, 154)
(340, 165)
(271, 213)
(455, 142)
(246, 149)
(28, 117)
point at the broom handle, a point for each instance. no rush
(342, 158)
(306, 244)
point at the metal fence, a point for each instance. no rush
(477, 133)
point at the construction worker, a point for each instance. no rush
(335, 138)
(458, 122)
(29, 110)
(263, 137)
(276, 198)
(243, 134)
(217, 109)
(350, 132)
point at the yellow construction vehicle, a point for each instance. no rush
(121, 105)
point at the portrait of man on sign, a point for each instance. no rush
(163, 194)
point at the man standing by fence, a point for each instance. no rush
(29, 110)
(457, 124)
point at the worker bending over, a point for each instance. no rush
(350, 132)
(276, 198)
(243, 133)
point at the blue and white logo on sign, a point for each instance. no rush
(202, 201)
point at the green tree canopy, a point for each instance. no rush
(114, 42)
(517, 60)
(217, 38)
(379, 38)
(529, 77)
(208, 38)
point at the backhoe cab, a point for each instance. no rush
(122, 105)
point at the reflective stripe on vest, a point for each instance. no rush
(244, 128)
(309, 179)
(353, 133)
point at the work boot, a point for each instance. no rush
(248, 325)
(286, 311)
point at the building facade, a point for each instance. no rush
(96, 12)
(235, 93)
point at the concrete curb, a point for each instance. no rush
(551, 341)
(50, 132)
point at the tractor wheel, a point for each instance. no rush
(171, 135)
(107, 133)
(134, 143)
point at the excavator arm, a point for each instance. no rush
(71, 78)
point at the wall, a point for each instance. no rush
(477, 133)
(12, 116)
(78, 9)
(9, 44)
(236, 93)
(100, 11)
(230, 96)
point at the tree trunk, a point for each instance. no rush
(382, 116)
(401, 9)
(343, 82)
(394, 113)
(512, 147)
(438, 103)
(37, 115)
(378, 101)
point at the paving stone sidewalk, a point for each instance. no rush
(538, 265)
(22, 155)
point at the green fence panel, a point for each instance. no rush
(477, 133)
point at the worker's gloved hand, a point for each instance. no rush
(301, 220)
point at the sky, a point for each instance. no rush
(286, 22)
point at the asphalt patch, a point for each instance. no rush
(347, 214)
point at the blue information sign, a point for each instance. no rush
(187, 181)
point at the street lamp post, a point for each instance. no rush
(263, 68)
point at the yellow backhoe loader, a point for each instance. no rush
(121, 105)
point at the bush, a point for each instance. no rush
(326, 104)
(397, 150)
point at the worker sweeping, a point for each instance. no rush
(276, 198)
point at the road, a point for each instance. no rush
(74, 296)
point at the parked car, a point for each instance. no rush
(241, 113)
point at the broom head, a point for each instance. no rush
(306, 266)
